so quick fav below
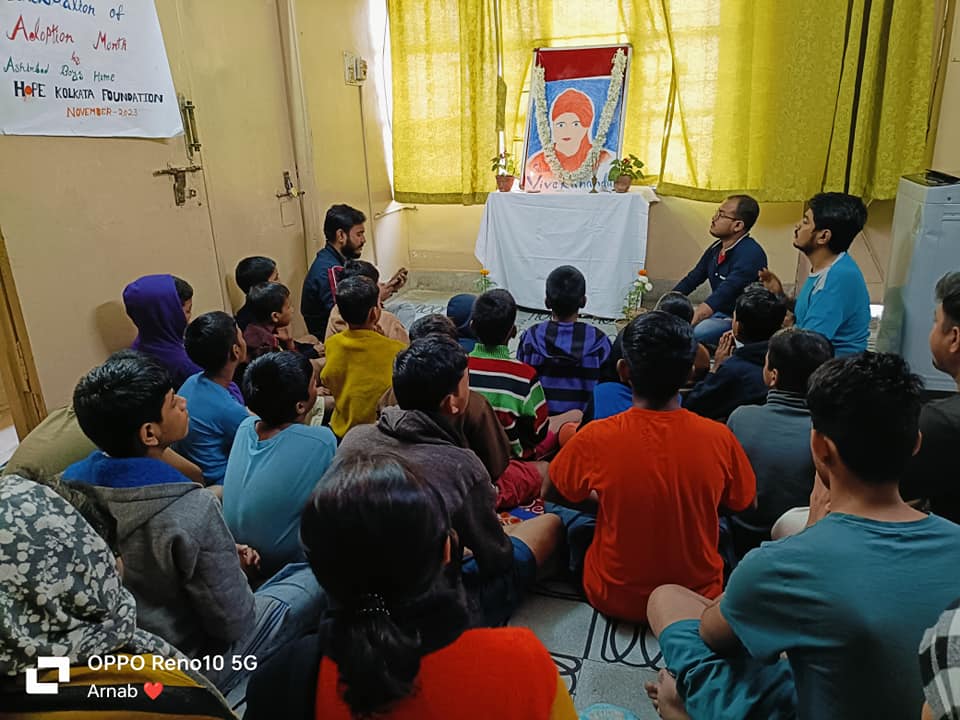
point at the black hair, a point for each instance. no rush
(947, 294)
(265, 299)
(253, 271)
(360, 268)
(209, 339)
(184, 289)
(494, 315)
(435, 324)
(759, 313)
(566, 290)
(843, 215)
(427, 371)
(659, 349)
(341, 217)
(274, 383)
(676, 303)
(375, 532)
(869, 406)
(114, 400)
(747, 210)
(356, 297)
(795, 354)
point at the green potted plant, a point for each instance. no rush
(624, 171)
(506, 171)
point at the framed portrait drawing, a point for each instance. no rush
(578, 99)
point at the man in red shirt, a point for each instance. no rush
(658, 474)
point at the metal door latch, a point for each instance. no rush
(289, 190)
(180, 191)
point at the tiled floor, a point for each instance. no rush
(601, 660)
(412, 304)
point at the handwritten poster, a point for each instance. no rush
(85, 67)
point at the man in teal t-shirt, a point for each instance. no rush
(847, 599)
(834, 300)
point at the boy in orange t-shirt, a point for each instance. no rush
(658, 474)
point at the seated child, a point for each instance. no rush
(214, 402)
(160, 307)
(276, 459)
(460, 312)
(179, 559)
(510, 386)
(658, 473)
(776, 435)
(431, 384)
(271, 310)
(381, 541)
(250, 272)
(737, 375)
(58, 442)
(389, 324)
(359, 359)
(611, 395)
(678, 304)
(66, 599)
(518, 482)
(847, 600)
(567, 354)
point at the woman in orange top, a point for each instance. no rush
(397, 645)
(571, 118)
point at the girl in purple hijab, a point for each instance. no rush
(160, 306)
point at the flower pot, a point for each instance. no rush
(505, 183)
(622, 184)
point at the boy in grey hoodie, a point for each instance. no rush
(432, 388)
(180, 561)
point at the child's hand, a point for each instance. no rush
(249, 559)
(770, 281)
(724, 349)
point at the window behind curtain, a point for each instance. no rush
(779, 98)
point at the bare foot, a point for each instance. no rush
(663, 695)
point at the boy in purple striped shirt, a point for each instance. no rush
(566, 353)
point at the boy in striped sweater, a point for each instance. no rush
(510, 386)
(566, 353)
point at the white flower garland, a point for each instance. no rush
(586, 169)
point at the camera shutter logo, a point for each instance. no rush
(62, 664)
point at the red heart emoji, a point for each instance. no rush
(153, 690)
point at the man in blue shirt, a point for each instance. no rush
(834, 300)
(847, 599)
(730, 264)
(343, 227)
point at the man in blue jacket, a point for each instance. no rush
(730, 264)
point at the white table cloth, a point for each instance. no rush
(523, 236)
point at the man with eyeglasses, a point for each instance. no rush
(729, 264)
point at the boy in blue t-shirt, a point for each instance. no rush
(847, 599)
(276, 460)
(214, 402)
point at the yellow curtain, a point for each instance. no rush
(778, 98)
(444, 61)
(784, 98)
